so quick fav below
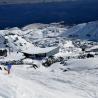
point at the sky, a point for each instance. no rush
(76, 11)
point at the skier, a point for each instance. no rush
(9, 66)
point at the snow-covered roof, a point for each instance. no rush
(3, 48)
(38, 50)
(92, 48)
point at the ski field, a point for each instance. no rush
(72, 73)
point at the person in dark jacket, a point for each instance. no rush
(9, 66)
(8, 69)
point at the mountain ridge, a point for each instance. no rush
(88, 31)
(40, 1)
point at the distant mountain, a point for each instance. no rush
(36, 1)
(88, 31)
(29, 1)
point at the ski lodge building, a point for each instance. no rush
(37, 52)
(93, 49)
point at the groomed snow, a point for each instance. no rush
(52, 82)
(13, 86)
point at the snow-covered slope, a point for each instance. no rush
(16, 42)
(46, 35)
(71, 78)
(80, 81)
(18, 39)
(87, 31)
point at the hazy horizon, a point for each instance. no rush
(40, 1)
